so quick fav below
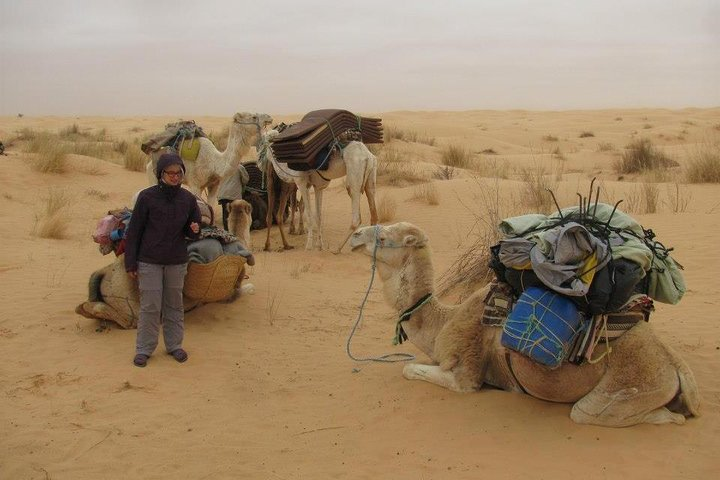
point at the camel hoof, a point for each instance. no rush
(288, 247)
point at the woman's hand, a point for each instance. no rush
(195, 227)
(133, 275)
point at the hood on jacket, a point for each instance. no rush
(167, 159)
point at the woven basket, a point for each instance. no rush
(214, 281)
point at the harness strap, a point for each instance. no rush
(400, 335)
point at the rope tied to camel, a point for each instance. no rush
(389, 357)
(400, 335)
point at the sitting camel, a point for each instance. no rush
(354, 161)
(212, 166)
(640, 381)
(114, 296)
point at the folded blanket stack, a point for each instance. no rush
(305, 141)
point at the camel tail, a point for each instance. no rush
(689, 396)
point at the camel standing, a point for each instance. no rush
(641, 380)
(355, 162)
(212, 166)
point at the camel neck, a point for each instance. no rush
(238, 143)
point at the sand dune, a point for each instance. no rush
(269, 391)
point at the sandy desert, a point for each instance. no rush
(269, 391)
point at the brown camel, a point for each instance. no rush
(640, 381)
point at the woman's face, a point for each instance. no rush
(173, 175)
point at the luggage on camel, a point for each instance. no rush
(542, 325)
(576, 279)
(179, 136)
(308, 144)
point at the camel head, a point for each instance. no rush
(390, 244)
(252, 124)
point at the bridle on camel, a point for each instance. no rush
(399, 332)
(259, 127)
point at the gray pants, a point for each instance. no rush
(161, 301)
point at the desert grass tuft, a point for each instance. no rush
(605, 147)
(535, 193)
(135, 159)
(471, 269)
(679, 197)
(704, 165)
(97, 194)
(50, 154)
(444, 172)
(641, 155)
(586, 134)
(55, 217)
(392, 132)
(386, 208)
(550, 138)
(427, 192)
(455, 156)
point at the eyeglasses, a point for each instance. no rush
(179, 173)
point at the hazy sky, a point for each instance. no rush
(216, 57)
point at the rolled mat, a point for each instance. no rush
(301, 142)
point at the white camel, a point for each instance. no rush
(641, 380)
(212, 166)
(356, 163)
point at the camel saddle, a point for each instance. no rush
(601, 328)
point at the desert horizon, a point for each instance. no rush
(269, 390)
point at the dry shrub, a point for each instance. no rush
(55, 217)
(641, 155)
(391, 132)
(644, 198)
(647, 126)
(471, 269)
(444, 173)
(679, 197)
(455, 156)
(50, 154)
(704, 165)
(93, 149)
(428, 193)
(121, 146)
(550, 138)
(70, 132)
(586, 134)
(136, 129)
(605, 147)
(398, 173)
(97, 193)
(392, 155)
(536, 183)
(135, 159)
(386, 208)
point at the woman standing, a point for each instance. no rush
(156, 255)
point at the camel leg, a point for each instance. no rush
(633, 391)
(292, 199)
(307, 211)
(269, 213)
(370, 192)
(317, 236)
(434, 374)
(280, 214)
(301, 215)
(103, 311)
(356, 216)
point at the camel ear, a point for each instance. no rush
(248, 208)
(414, 240)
